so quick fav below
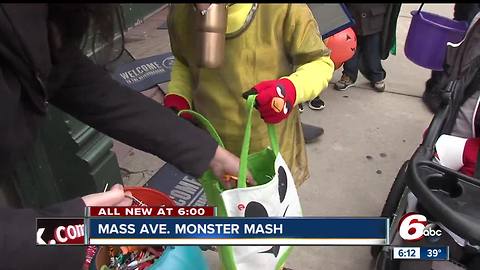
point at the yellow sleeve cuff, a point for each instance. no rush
(181, 81)
(311, 78)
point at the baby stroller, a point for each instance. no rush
(448, 198)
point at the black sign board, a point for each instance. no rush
(331, 18)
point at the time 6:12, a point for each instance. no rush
(407, 253)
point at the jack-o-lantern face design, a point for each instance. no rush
(343, 46)
(279, 104)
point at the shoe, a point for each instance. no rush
(344, 83)
(379, 86)
(316, 104)
(311, 133)
(300, 107)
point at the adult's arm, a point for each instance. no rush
(18, 239)
(88, 93)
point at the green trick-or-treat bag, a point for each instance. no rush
(275, 195)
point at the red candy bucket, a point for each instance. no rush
(150, 197)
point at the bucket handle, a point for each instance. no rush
(421, 6)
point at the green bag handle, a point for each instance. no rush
(206, 124)
(272, 134)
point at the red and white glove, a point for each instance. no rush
(275, 99)
(177, 103)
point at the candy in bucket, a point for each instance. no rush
(129, 257)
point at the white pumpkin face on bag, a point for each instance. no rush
(277, 198)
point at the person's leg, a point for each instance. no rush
(371, 66)
(349, 76)
(465, 11)
(350, 69)
(432, 95)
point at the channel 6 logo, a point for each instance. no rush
(415, 227)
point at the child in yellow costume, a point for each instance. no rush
(274, 49)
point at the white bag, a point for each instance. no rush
(275, 198)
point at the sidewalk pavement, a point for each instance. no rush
(368, 135)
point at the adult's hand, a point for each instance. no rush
(116, 196)
(225, 164)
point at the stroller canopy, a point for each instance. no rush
(464, 57)
(461, 78)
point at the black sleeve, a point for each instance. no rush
(92, 96)
(18, 239)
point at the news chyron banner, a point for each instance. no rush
(199, 226)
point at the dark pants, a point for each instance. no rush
(366, 59)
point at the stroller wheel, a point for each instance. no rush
(393, 199)
(384, 262)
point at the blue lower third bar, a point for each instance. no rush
(434, 253)
(239, 231)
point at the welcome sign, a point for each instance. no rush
(143, 74)
(183, 189)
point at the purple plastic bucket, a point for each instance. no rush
(427, 38)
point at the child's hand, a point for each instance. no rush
(275, 99)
